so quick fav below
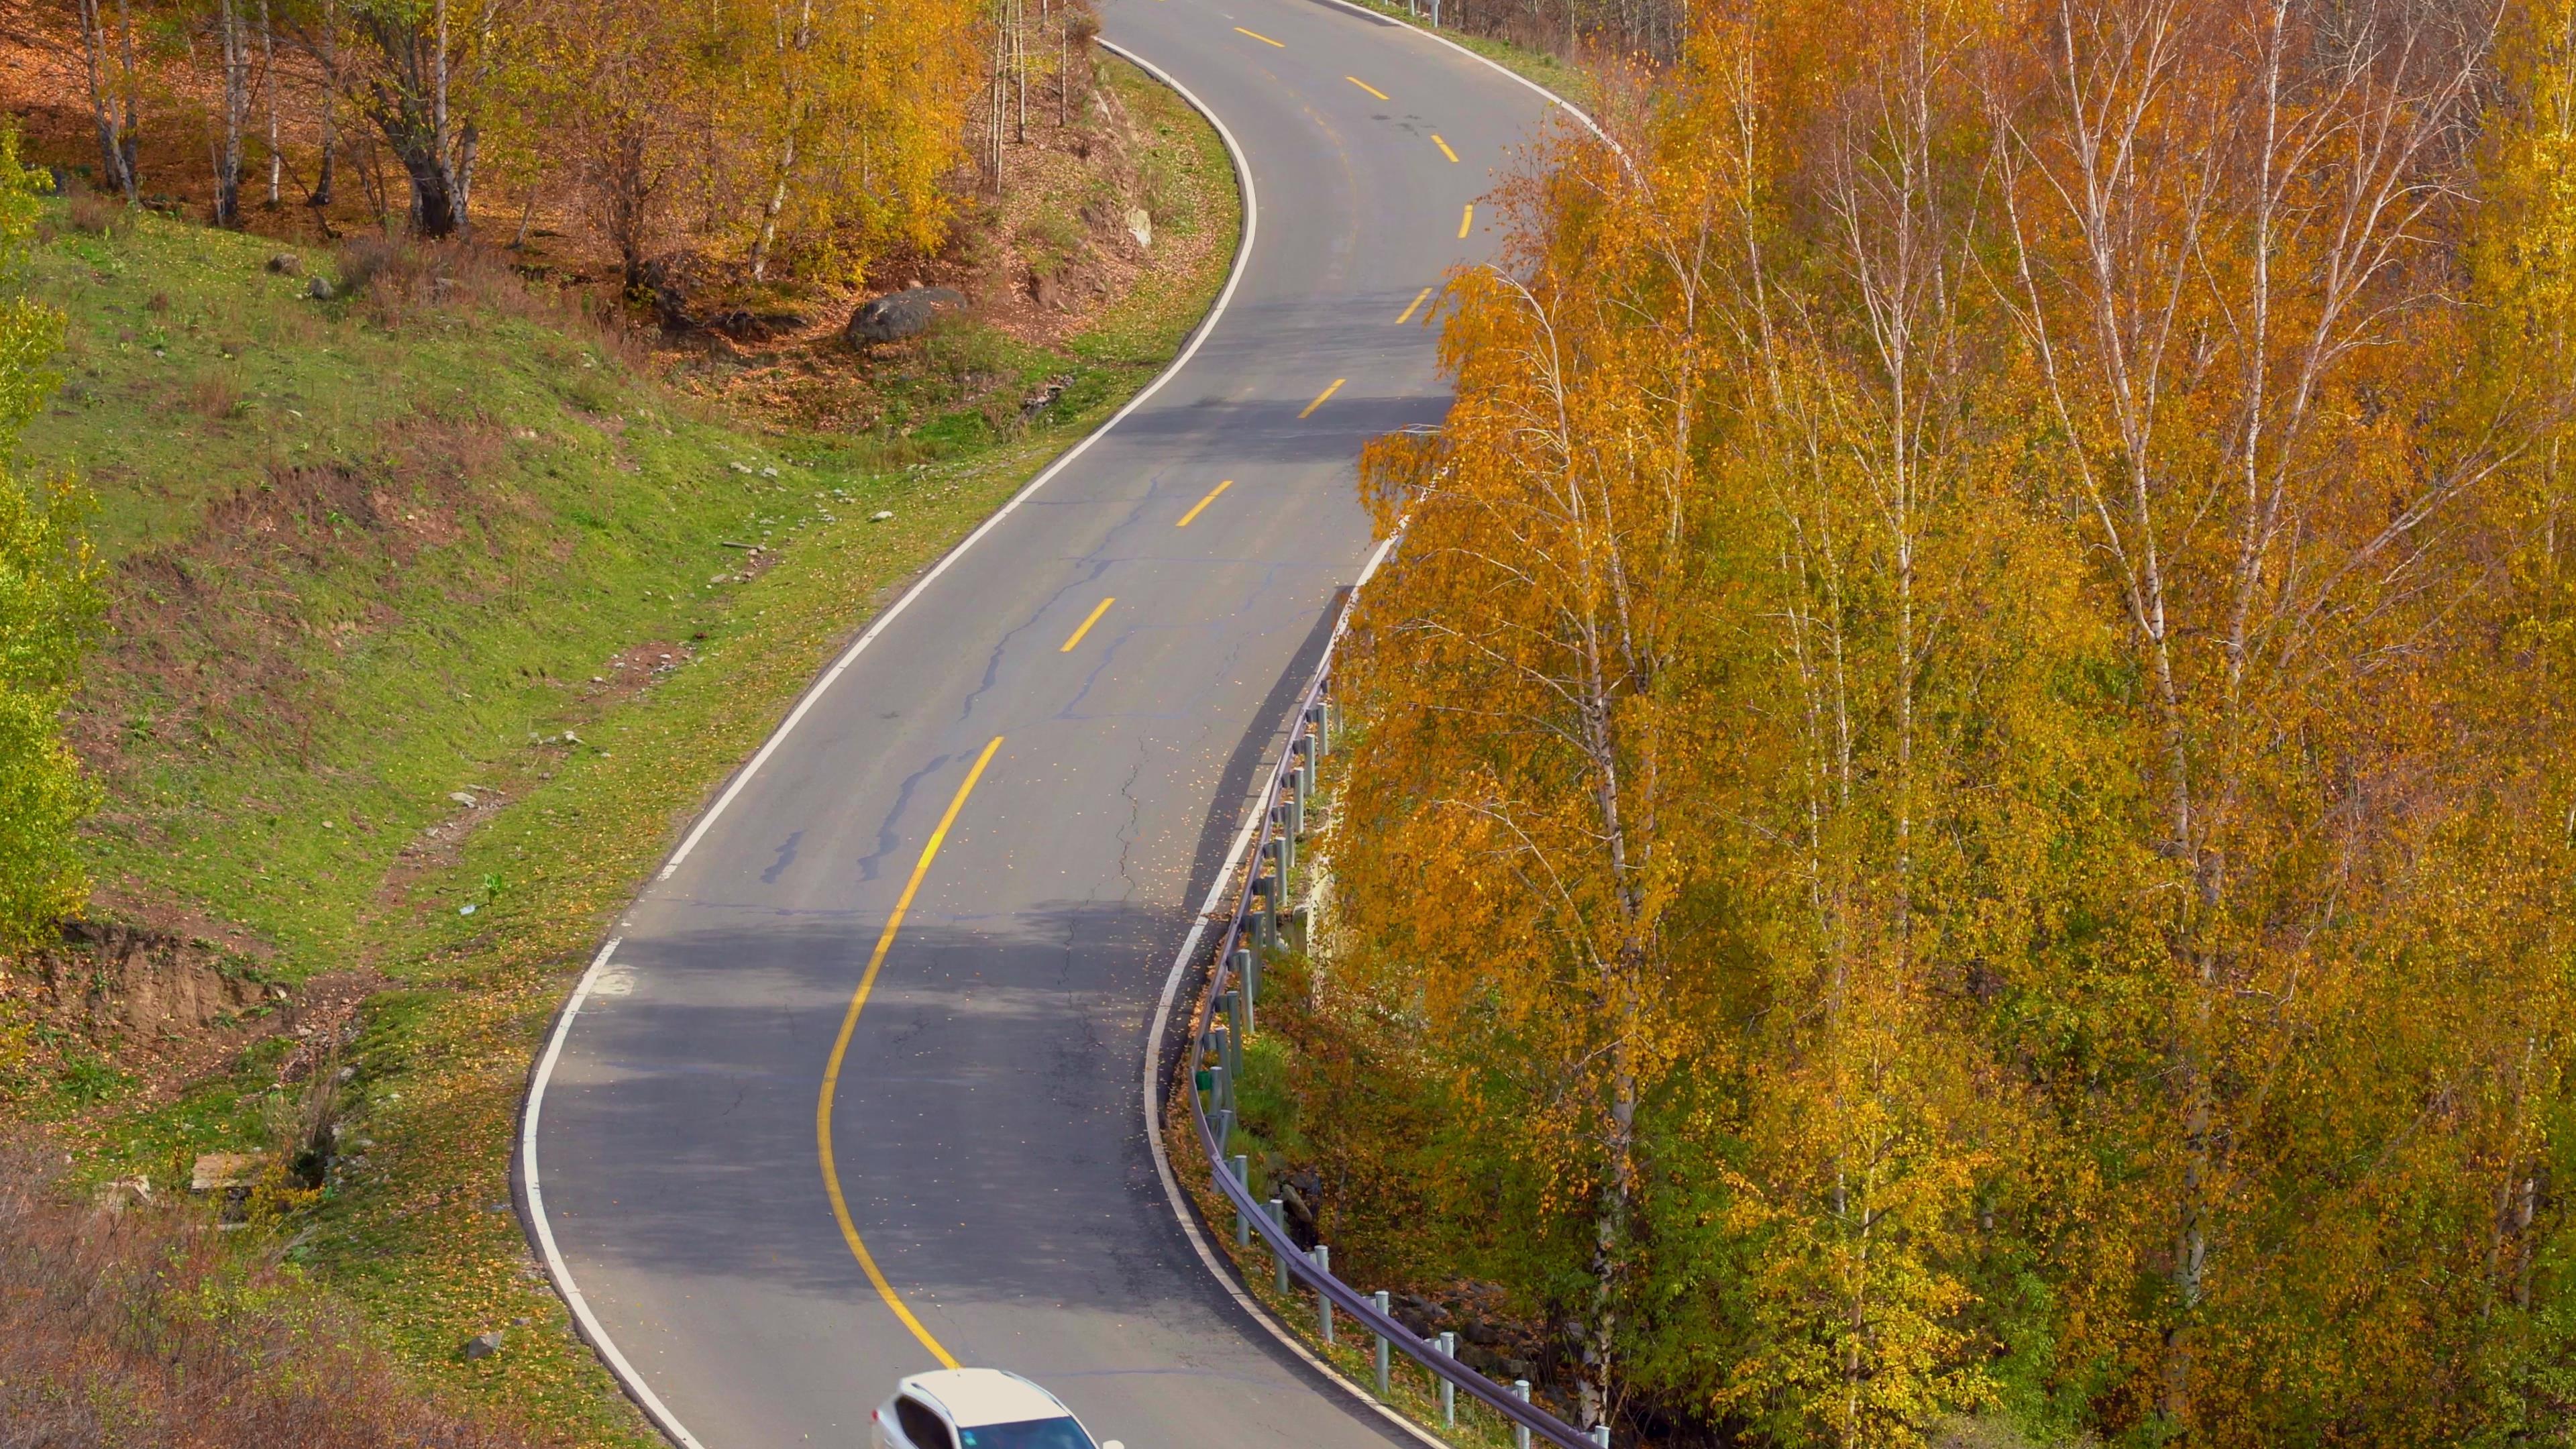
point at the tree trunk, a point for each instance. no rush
(228, 150)
(268, 87)
(798, 107)
(131, 135)
(777, 203)
(330, 58)
(111, 140)
(408, 106)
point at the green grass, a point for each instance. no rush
(366, 565)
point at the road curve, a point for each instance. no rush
(984, 1133)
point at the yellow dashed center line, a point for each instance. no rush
(1466, 218)
(1419, 299)
(1328, 392)
(1203, 503)
(1364, 85)
(1085, 627)
(841, 1049)
(1444, 148)
(1257, 35)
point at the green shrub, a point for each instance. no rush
(49, 603)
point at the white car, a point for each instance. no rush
(977, 1408)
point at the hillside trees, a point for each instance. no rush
(2052, 516)
(837, 121)
(822, 130)
(1554, 573)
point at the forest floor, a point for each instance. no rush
(437, 609)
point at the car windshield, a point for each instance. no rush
(1061, 1433)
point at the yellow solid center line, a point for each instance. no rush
(841, 1049)
(1257, 35)
(1364, 85)
(1319, 397)
(1409, 307)
(1467, 218)
(1103, 608)
(1203, 503)
(1444, 148)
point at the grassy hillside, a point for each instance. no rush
(435, 616)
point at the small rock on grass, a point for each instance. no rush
(320, 289)
(898, 315)
(286, 264)
(881, 515)
(483, 1345)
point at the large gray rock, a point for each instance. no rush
(898, 315)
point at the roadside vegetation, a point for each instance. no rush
(420, 610)
(1956, 825)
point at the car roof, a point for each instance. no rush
(978, 1396)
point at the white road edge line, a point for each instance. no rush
(556, 1267)
(1207, 325)
(1571, 108)
(1154, 1104)
(561, 1272)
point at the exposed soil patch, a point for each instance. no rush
(106, 977)
(173, 1008)
(209, 629)
(632, 670)
(322, 1016)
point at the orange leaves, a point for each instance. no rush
(1984, 651)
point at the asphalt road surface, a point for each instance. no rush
(983, 1128)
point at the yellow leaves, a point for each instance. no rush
(826, 128)
(2025, 707)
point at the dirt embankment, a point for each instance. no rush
(169, 1007)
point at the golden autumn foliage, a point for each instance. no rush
(1964, 798)
(779, 138)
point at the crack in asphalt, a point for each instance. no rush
(1135, 818)
(1099, 567)
(886, 841)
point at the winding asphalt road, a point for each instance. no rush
(1037, 787)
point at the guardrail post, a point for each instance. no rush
(1324, 1300)
(1601, 1435)
(1220, 1088)
(1247, 969)
(1379, 1297)
(1279, 1220)
(1242, 1165)
(1520, 1432)
(1265, 921)
(1449, 1386)
(1300, 925)
(1234, 1031)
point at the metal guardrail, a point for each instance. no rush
(1213, 1061)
